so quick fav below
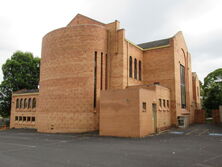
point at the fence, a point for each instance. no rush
(199, 116)
(216, 116)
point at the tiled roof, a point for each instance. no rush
(154, 44)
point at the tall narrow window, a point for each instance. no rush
(33, 102)
(160, 102)
(182, 86)
(29, 103)
(17, 103)
(135, 68)
(106, 77)
(21, 101)
(95, 80)
(130, 67)
(101, 76)
(25, 103)
(140, 70)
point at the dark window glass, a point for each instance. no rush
(160, 102)
(144, 106)
(29, 103)
(16, 118)
(106, 78)
(130, 67)
(17, 103)
(95, 80)
(21, 101)
(25, 103)
(33, 119)
(182, 86)
(33, 102)
(164, 103)
(135, 68)
(101, 72)
(140, 70)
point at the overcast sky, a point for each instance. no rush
(23, 23)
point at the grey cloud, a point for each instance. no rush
(144, 20)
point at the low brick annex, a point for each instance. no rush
(87, 63)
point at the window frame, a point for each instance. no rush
(135, 68)
(140, 70)
(183, 86)
(130, 67)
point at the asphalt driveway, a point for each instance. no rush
(197, 146)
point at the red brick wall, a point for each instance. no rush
(23, 111)
(216, 116)
(200, 116)
(67, 78)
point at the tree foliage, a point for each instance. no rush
(212, 90)
(21, 71)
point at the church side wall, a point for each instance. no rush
(67, 78)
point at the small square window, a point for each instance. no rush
(24, 118)
(28, 118)
(144, 106)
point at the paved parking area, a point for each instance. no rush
(197, 146)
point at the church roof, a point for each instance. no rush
(154, 44)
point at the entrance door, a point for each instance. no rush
(154, 107)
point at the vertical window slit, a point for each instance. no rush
(130, 67)
(101, 81)
(135, 68)
(182, 86)
(140, 70)
(95, 76)
(106, 73)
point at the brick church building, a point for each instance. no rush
(93, 78)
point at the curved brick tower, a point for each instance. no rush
(67, 77)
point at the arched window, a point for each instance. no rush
(29, 103)
(21, 101)
(17, 103)
(135, 68)
(140, 70)
(130, 67)
(33, 103)
(25, 103)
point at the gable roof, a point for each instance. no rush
(154, 44)
(81, 19)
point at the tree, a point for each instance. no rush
(20, 72)
(212, 90)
